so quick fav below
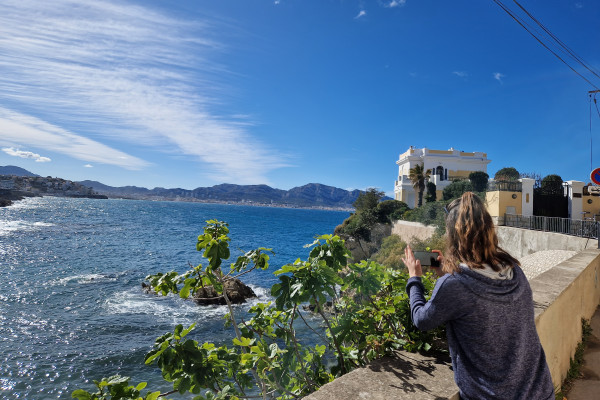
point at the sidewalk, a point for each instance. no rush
(588, 386)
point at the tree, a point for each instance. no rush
(456, 189)
(390, 210)
(431, 192)
(552, 184)
(479, 180)
(368, 199)
(507, 174)
(418, 176)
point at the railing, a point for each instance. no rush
(505, 186)
(575, 227)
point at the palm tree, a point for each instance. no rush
(418, 176)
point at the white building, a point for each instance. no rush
(445, 166)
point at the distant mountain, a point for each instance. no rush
(17, 171)
(310, 195)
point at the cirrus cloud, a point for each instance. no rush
(108, 71)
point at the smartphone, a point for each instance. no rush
(427, 258)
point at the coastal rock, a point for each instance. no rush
(236, 290)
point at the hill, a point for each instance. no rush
(313, 195)
(16, 171)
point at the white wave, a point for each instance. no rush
(168, 308)
(86, 279)
(8, 227)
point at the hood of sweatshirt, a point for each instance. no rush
(502, 290)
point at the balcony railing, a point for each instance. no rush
(505, 186)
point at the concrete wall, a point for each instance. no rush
(521, 242)
(562, 296)
(500, 202)
(408, 230)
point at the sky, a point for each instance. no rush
(289, 92)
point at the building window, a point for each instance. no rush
(440, 172)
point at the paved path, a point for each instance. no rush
(588, 386)
(541, 261)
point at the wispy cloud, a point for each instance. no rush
(11, 151)
(88, 166)
(498, 76)
(17, 128)
(461, 74)
(360, 14)
(105, 70)
(396, 3)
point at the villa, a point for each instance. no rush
(445, 166)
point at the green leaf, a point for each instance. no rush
(188, 330)
(81, 395)
(152, 396)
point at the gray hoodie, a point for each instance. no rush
(494, 346)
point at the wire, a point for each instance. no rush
(560, 42)
(523, 24)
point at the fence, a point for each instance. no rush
(575, 227)
(505, 186)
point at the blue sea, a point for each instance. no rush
(71, 305)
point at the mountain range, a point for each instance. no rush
(312, 195)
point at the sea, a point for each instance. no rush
(71, 305)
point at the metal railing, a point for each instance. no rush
(575, 227)
(505, 186)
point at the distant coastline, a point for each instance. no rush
(17, 183)
(234, 203)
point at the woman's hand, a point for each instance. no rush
(413, 265)
(440, 259)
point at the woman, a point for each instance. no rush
(486, 303)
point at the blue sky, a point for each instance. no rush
(287, 92)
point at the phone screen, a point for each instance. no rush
(427, 258)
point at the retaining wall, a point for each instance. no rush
(408, 230)
(521, 242)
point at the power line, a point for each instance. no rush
(562, 46)
(560, 42)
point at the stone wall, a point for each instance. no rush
(408, 230)
(521, 242)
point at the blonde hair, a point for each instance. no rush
(471, 237)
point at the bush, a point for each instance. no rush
(456, 189)
(552, 184)
(429, 214)
(391, 252)
(390, 210)
(507, 174)
(479, 180)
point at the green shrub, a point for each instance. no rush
(456, 189)
(479, 180)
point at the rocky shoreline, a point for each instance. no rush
(15, 188)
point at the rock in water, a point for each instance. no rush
(236, 290)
